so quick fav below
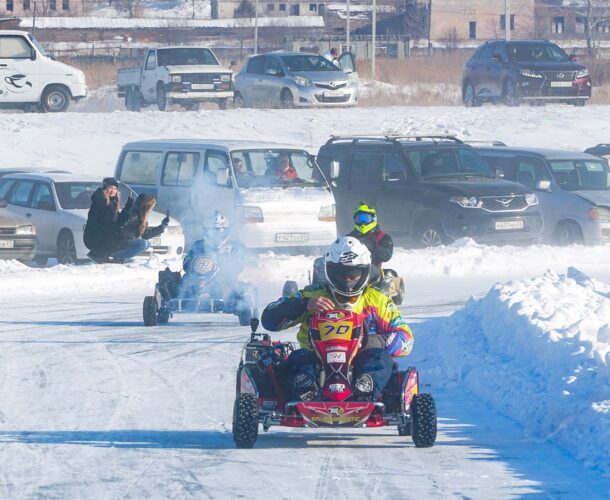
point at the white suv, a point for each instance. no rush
(58, 203)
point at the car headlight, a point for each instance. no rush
(176, 78)
(582, 73)
(465, 202)
(25, 230)
(299, 80)
(600, 214)
(530, 73)
(174, 230)
(249, 213)
(225, 78)
(531, 199)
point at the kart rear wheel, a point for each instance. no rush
(290, 288)
(400, 293)
(423, 420)
(245, 421)
(163, 316)
(150, 310)
(244, 316)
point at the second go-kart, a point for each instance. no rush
(336, 336)
(388, 283)
(202, 290)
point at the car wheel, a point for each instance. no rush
(469, 96)
(66, 249)
(161, 98)
(55, 99)
(223, 104)
(132, 100)
(286, 99)
(431, 235)
(511, 94)
(568, 233)
(238, 101)
(579, 103)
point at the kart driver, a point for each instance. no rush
(347, 267)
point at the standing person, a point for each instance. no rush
(367, 230)
(333, 56)
(347, 268)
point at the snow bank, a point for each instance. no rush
(538, 350)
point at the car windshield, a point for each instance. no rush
(77, 195)
(275, 167)
(185, 56)
(297, 63)
(536, 52)
(581, 175)
(448, 162)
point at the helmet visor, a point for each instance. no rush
(347, 280)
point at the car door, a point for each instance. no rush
(271, 81)
(395, 200)
(481, 74)
(19, 201)
(250, 81)
(45, 217)
(496, 69)
(149, 77)
(348, 64)
(19, 70)
(177, 178)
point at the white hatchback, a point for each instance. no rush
(57, 203)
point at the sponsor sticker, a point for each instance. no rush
(337, 387)
(335, 357)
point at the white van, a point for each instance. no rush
(31, 80)
(275, 194)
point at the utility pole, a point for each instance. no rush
(429, 27)
(507, 19)
(347, 29)
(374, 37)
(256, 27)
(34, 19)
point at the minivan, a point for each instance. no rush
(573, 188)
(275, 194)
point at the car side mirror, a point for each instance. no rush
(544, 185)
(3, 203)
(232, 63)
(334, 169)
(33, 54)
(573, 58)
(222, 177)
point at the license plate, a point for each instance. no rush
(291, 237)
(509, 224)
(561, 84)
(333, 93)
(202, 86)
(155, 242)
(7, 243)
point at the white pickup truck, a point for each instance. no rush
(31, 80)
(183, 75)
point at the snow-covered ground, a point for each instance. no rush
(514, 343)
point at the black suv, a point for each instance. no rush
(428, 190)
(533, 70)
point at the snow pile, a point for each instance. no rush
(538, 350)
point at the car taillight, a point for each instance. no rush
(250, 214)
(327, 213)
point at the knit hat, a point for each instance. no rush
(109, 181)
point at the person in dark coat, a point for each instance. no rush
(102, 231)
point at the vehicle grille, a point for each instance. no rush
(343, 98)
(201, 78)
(8, 230)
(555, 75)
(329, 87)
(504, 203)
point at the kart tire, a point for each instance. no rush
(400, 295)
(423, 420)
(245, 421)
(150, 310)
(290, 288)
(163, 316)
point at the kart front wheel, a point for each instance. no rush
(400, 293)
(245, 421)
(290, 288)
(423, 420)
(150, 310)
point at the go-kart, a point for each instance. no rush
(263, 387)
(202, 290)
(388, 282)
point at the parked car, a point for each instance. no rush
(524, 70)
(601, 151)
(31, 80)
(57, 204)
(183, 75)
(573, 188)
(428, 190)
(194, 178)
(297, 79)
(17, 236)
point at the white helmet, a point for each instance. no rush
(216, 230)
(347, 265)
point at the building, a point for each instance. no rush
(25, 8)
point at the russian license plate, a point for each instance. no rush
(291, 237)
(561, 84)
(155, 242)
(7, 243)
(333, 93)
(202, 86)
(508, 225)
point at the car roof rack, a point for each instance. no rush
(395, 137)
(486, 143)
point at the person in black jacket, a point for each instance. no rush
(367, 230)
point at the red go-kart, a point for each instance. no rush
(336, 336)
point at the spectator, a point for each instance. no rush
(283, 169)
(333, 56)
